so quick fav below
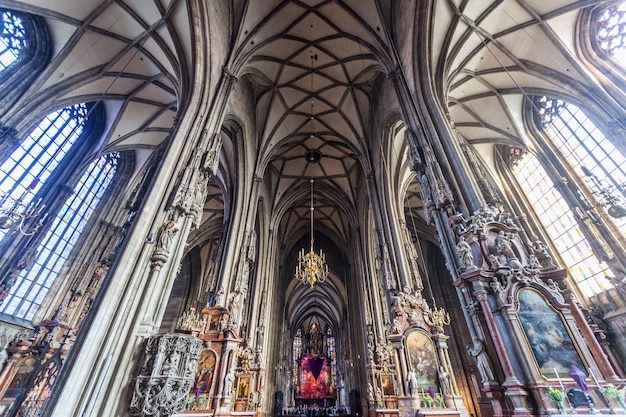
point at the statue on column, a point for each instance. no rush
(465, 253)
(444, 380)
(540, 250)
(479, 353)
(167, 232)
(411, 379)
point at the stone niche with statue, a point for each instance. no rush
(521, 306)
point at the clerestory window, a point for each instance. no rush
(611, 32)
(12, 38)
(582, 146)
(32, 284)
(28, 173)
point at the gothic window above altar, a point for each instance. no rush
(331, 353)
(296, 353)
(314, 361)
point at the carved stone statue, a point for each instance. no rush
(444, 380)
(465, 253)
(411, 379)
(228, 384)
(540, 250)
(167, 232)
(478, 352)
(370, 394)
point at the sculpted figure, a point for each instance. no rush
(465, 253)
(167, 232)
(411, 380)
(479, 354)
(444, 380)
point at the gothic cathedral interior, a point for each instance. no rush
(264, 208)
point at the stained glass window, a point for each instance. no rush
(611, 31)
(32, 163)
(12, 38)
(588, 152)
(594, 158)
(32, 285)
(296, 354)
(560, 224)
(331, 354)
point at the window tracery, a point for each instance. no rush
(32, 284)
(611, 32)
(12, 38)
(27, 173)
(581, 145)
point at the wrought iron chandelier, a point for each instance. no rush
(311, 267)
(20, 213)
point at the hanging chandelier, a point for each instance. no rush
(311, 267)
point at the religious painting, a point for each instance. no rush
(243, 387)
(314, 377)
(547, 335)
(204, 374)
(214, 323)
(422, 359)
(387, 385)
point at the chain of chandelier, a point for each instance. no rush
(312, 267)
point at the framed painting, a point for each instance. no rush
(214, 323)
(387, 385)
(546, 332)
(204, 374)
(243, 387)
(422, 359)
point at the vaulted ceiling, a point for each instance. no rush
(312, 63)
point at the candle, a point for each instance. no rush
(559, 378)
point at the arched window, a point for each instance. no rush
(25, 50)
(296, 354)
(12, 38)
(611, 32)
(561, 225)
(331, 354)
(588, 152)
(31, 164)
(579, 144)
(32, 285)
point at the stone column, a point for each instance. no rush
(166, 377)
(8, 142)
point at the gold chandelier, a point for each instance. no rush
(311, 267)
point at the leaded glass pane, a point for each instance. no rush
(12, 38)
(611, 32)
(30, 165)
(32, 285)
(562, 227)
